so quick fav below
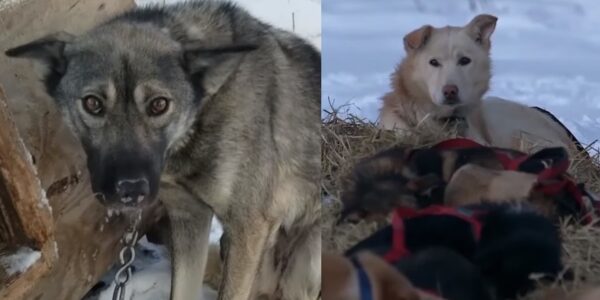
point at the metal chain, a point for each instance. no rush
(126, 258)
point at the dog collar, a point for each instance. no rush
(364, 284)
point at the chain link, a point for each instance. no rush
(126, 259)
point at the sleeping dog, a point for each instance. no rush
(460, 172)
(510, 245)
(365, 277)
(443, 272)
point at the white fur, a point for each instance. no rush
(417, 97)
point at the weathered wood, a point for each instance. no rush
(25, 209)
(87, 245)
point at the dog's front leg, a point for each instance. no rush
(189, 221)
(245, 246)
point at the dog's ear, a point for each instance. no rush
(49, 51)
(481, 29)
(417, 38)
(212, 66)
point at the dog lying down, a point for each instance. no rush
(511, 246)
(366, 276)
(461, 172)
(443, 79)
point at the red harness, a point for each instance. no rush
(509, 162)
(556, 173)
(551, 181)
(399, 248)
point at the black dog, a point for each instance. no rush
(445, 273)
(510, 245)
(424, 232)
(516, 246)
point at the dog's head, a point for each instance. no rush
(383, 182)
(451, 66)
(131, 93)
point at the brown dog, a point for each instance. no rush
(341, 279)
(458, 172)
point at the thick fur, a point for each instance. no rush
(445, 273)
(422, 233)
(417, 97)
(586, 293)
(382, 182)
(516, 244)
(472, 184)
(427, 176)
(417, 86)
(515, 248)
(240, 137)
(340, 279)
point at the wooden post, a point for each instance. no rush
(87, 245)
(24, 212)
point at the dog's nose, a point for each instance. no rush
(133, 190)
(450, 92)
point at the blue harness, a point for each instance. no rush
(364, 284)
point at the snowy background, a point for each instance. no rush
(152, 276)
(544, 52)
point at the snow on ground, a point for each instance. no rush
(152, 277)
(545, 52)
(19, 261)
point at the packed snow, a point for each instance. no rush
(152, 276)
(19, 261)
(544, 52)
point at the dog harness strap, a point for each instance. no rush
(364, 284)
(551, 179)
(399, 249)
(469, 217)
(456, 143)
(510, 164)
(555, 171)
(576, 193)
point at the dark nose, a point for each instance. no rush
(450, 93)
(132, 191)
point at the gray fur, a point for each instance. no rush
(241, 135)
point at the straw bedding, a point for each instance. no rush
(346, 139)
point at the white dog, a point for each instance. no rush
(443, 78)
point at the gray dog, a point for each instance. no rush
(209, 110)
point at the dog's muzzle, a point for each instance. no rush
(132, 191)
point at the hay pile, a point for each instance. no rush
(348, 139)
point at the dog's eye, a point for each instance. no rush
(463, 61)
(158, 106)
(434, 62)
(93, 105)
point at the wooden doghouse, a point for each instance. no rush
(55, 240)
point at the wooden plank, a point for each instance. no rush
(25, 208)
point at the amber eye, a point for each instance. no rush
(93, 105)
(434, 62)
(158, 106)
(463, 61)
